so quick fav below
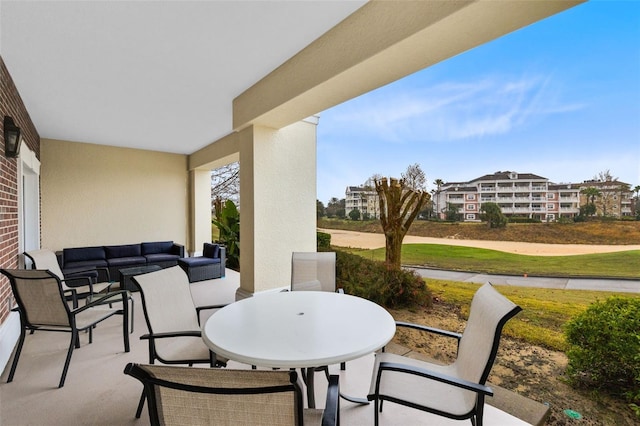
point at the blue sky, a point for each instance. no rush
(560, 99)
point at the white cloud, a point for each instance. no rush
(452, 110)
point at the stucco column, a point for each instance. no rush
(200, 206)
(277, 203)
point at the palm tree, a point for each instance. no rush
(591, 193)
(438, 183)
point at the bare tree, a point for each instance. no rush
(371, 182)
(225, 183)
(609, 189)
(414, 178)
(399, 206)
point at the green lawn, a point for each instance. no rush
(624, 264)
(544, 311)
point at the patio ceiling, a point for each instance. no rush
(150, 75)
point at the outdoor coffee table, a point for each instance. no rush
(127, 273)
(303, 329)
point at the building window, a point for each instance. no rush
(471, 216)
(550, 207)
(550, 196)
(470, 207)
(551, 217)
(471, 196)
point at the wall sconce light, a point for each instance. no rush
(11, 138)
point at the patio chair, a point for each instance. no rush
(173, 321)
(456, 390)
(43, 306)
(314, 271)
(78, 285)
(196, 396)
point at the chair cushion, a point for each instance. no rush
(161, 257)
(211, 251)
(197, 261)
(128, 250)
(122, 261)
(83, 254)
(156, 247)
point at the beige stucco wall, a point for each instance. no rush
(101, 195)
(278, 167)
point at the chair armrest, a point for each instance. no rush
(331, 414)
(419, 327)
(194, 333)
(100, 300)
(433, 375)
(177, 249)
(223, 259)
(205, 307)
(82, 281)
(101, 272)
(73, 283)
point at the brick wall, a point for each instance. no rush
(11, 104)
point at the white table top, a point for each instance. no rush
(298, 329)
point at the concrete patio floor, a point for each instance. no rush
(97, 392)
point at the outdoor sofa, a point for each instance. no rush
(115, 257)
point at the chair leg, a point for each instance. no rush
(140, 405)
(74, 339)
(17, 355)
(125, 322)
(375, 412)
(132, 310)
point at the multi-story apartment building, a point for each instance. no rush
(615, 198)
(518, 195)
(363, 198)
(531, 196)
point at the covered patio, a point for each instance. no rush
(97, 391)
(126, 107)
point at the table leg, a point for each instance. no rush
(311, 396)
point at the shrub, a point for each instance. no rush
(605, 346)
(323, 241)
(370, 279)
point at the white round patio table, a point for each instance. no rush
(302, 329)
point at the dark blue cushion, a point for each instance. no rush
(82, 254)
(129, 250)
(161, 257)
(197, 261)
(157, 247)
(211, 250)
(85, 264)
(122, 261)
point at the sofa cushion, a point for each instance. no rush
(124, 261)
(197, 261)
(128, 250)
(211, 251)
(157, 247)
(83, 254)
(161, 257)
